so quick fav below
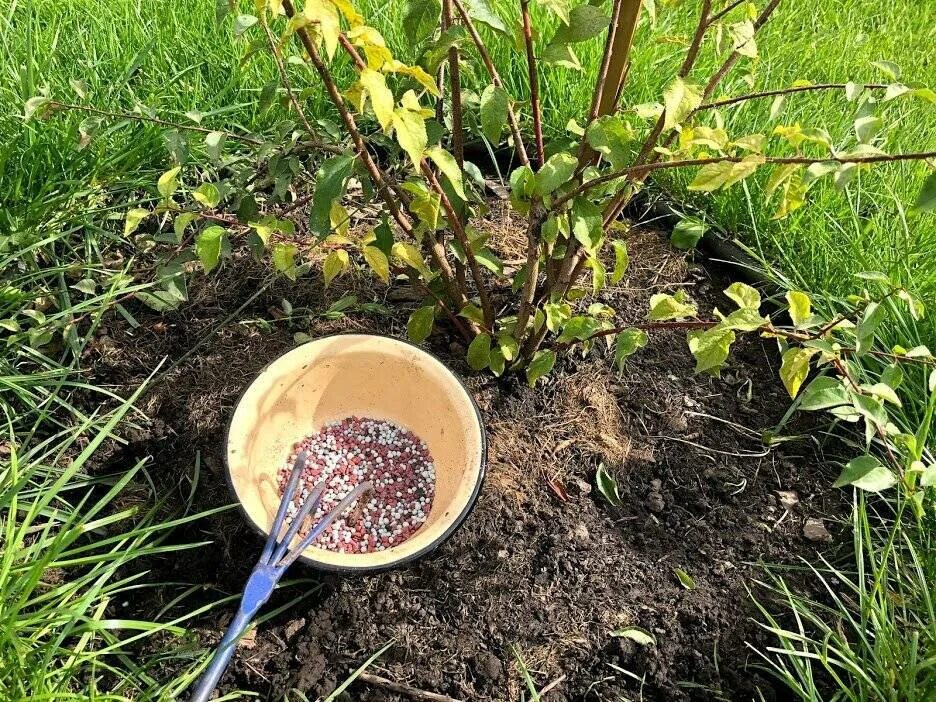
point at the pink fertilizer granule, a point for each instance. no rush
(354, 450)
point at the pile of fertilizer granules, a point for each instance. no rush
(358, 449)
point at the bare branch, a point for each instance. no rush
(486, 307)
(495, 79)
(535, 106)
(56, 105)
(805, 160)
(780, 91)
(458, 138)
(733, 58)
(284, 78)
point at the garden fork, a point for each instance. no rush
(275, 559)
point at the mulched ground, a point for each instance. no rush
(545, 567)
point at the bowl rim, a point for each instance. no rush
(428, 548)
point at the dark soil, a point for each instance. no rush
(545, 568)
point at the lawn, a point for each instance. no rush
(61, 209)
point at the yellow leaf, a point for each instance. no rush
(339, 219)
(794, 368)
(325, 15)
(336, 263)
(378, 262)
(416, 72)
(381, 96)
(800, 306)
(410, 255)
(353, 17)
(410, 133)
(679, 98)
(411, 102)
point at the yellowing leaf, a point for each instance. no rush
(352, 16)
(415, 72)
(168, 182)
(679, 99)
(207, 194)
(284, 259)
(378, 262)
(410, 133)
(794, 368)
(710, 348)
(449, 167)
(742, 38)
(133, 219)
(744, 296)
(664, 307)
(800, 306)
(381, 96)
(325, 15)
(724, 174)
(339, 219)
(336, 263)
(410, 255)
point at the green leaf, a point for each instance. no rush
(823, 393)
(449, 168)
(871, 409)
(419, 325)
(599, 273)
(284, 259)
(168, 182)
(133, 219)
(494, 103)
(479, 352)
(481, 11)
(378, 262)
(420, 20)
(867, 127)
(508, 346)
(892, 375)
(559, 7)
(208, 247)
(585, 22)
(86, 286)
(214, 142)
(542, 362)
(242, 23)
(679, 99)
(800, 306)
(882, 391)
(557, 171)
(866, 473)
(794, 368)
(336, 262)
(561, 55)
(871, 319)
(607, 486)
(611, 136)
(635, 634)
(207, 195)
(521, 188)
(627, 344)
(915, 306)
(557, 314)
(687, 233)
(621, 260)
(926, 200)
(472, 312)
(587, 223)
(889, 68)
(744, 296)
(579, 327)
(710, 348)
(329, 185)
(724, 174)
(497, 362)
(684, 579)
(665, 307)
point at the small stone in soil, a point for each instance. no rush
(815, 530)
(354, 450)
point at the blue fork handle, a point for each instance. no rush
(219, 662)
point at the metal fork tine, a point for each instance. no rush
(288, 495)
(308, 506)
(324, 523)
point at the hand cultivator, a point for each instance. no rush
(277, 556)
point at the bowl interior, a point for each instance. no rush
(372, 376)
